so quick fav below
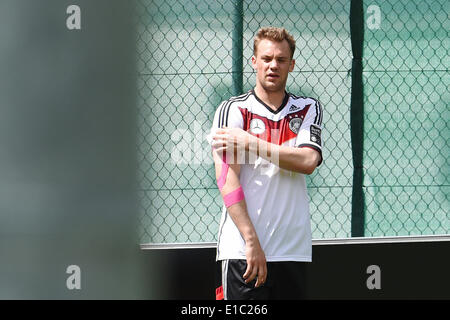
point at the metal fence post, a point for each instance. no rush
(237, 47)
(357, 117)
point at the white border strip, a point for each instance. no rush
(356, 240)
(379, 240)
(188, 245)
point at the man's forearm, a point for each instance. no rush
(302, 160)
(238, 211)
(239, 214)
(227, 176)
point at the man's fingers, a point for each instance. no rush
(221, 136)
(221, 130)
(259, 281)
(262, 276)
(251, 272)
(252, 275)
(248, 271)
(218, 143)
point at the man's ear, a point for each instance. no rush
(291, 67)
(254, 62)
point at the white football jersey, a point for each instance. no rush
(276, 199)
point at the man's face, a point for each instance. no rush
(272, 64)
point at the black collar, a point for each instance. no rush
(283, 104)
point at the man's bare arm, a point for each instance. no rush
(303, 160)
(256, 260)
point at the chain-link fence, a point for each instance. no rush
(406, 79)
(185, 51)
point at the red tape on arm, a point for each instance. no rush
(233, 197)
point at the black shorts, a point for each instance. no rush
(285, 280)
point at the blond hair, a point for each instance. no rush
(274, 34)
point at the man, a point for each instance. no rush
(265, 234)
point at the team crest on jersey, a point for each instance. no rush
(295, 124)
(257, 126)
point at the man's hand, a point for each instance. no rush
(231, 139)
(256, 263)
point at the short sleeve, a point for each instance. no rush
(227, 115)
(310, 133)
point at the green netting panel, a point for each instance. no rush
(407, 115)
(323, 59)
(185, 65)
(185, 69)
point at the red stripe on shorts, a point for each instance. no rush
(219, 293)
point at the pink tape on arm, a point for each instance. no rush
(223, 173)
(233, 197)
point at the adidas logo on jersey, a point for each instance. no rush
(293, 108)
